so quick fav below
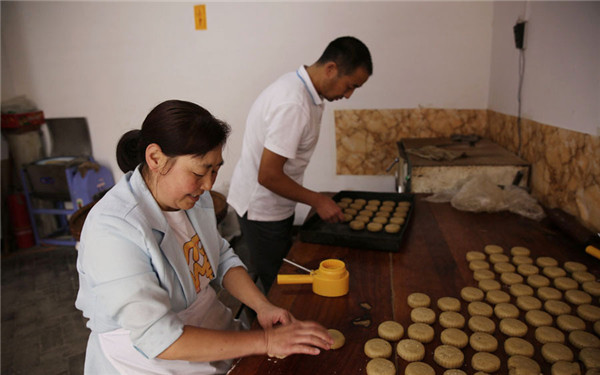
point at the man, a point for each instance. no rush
(282, 130)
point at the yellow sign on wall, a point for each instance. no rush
(200, 16)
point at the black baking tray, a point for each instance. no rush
(315, 230)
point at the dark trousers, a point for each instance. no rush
(268, 243)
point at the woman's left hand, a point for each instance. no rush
(270, 315)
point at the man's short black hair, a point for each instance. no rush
(349, 54)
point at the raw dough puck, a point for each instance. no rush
(578, 297)
(390, 330)
(338, 338)
(483, 342)
(504, 267)
(475, 255)
(356, 206)
(363, 218)
(392, 228)
(448, 356)
(513, 327)
(448, 304)
(518, 364)
(582, 276)
(590, 357)
(485, 362)
(519, 259)
(378, 348)
(493, 249)
(489, 284)
(555, 307)
(380, 366)
(350, 211)
(554, 271)
(475, 265)
(506, 310)
(381, 220)
(367, 213)
(478, 308)
(538, 318)
(554, 352)
(565, 283)
(590, 313)
(546, 262)
(357, 225)
(391, 203)
(421, 332)
(591, 287)
(519, 251)
(570, 323)
(497, 296)
(527, 269)
(360, 201)
(418, 368)
(538, 281)
(510, 278)
(454, 337)
(583, 339)
(574, 266)
(547, 293)
(451, 319)
(410, 350)
(518, 290)
(481, 324)
(418, 300)
(374, 227)
(483, 275)
(547, 334)
(422, 315)
(518, 346)
(565, 368)
(527, 303)
(470, 294)
(454, 371)
(396, 221)
(342, 204)
(374, 202)
(498, 258)
(371, 207)
(383, 214)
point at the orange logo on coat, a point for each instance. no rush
(197, 261)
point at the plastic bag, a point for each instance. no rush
(480, 194)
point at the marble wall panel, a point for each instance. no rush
(565, 164)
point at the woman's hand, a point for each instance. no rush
(297, 337)
(270, 315)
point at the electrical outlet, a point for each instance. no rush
(519, 32)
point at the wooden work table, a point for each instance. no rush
(431, 260)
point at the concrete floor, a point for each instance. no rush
(42, 331)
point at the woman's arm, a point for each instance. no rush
(203, 345)
(240, 285)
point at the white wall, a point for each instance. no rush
(561, 85)
(112, 62)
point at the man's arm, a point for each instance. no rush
(271, 176)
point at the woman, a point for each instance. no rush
(149, 249)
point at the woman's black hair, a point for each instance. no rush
(178, 127)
